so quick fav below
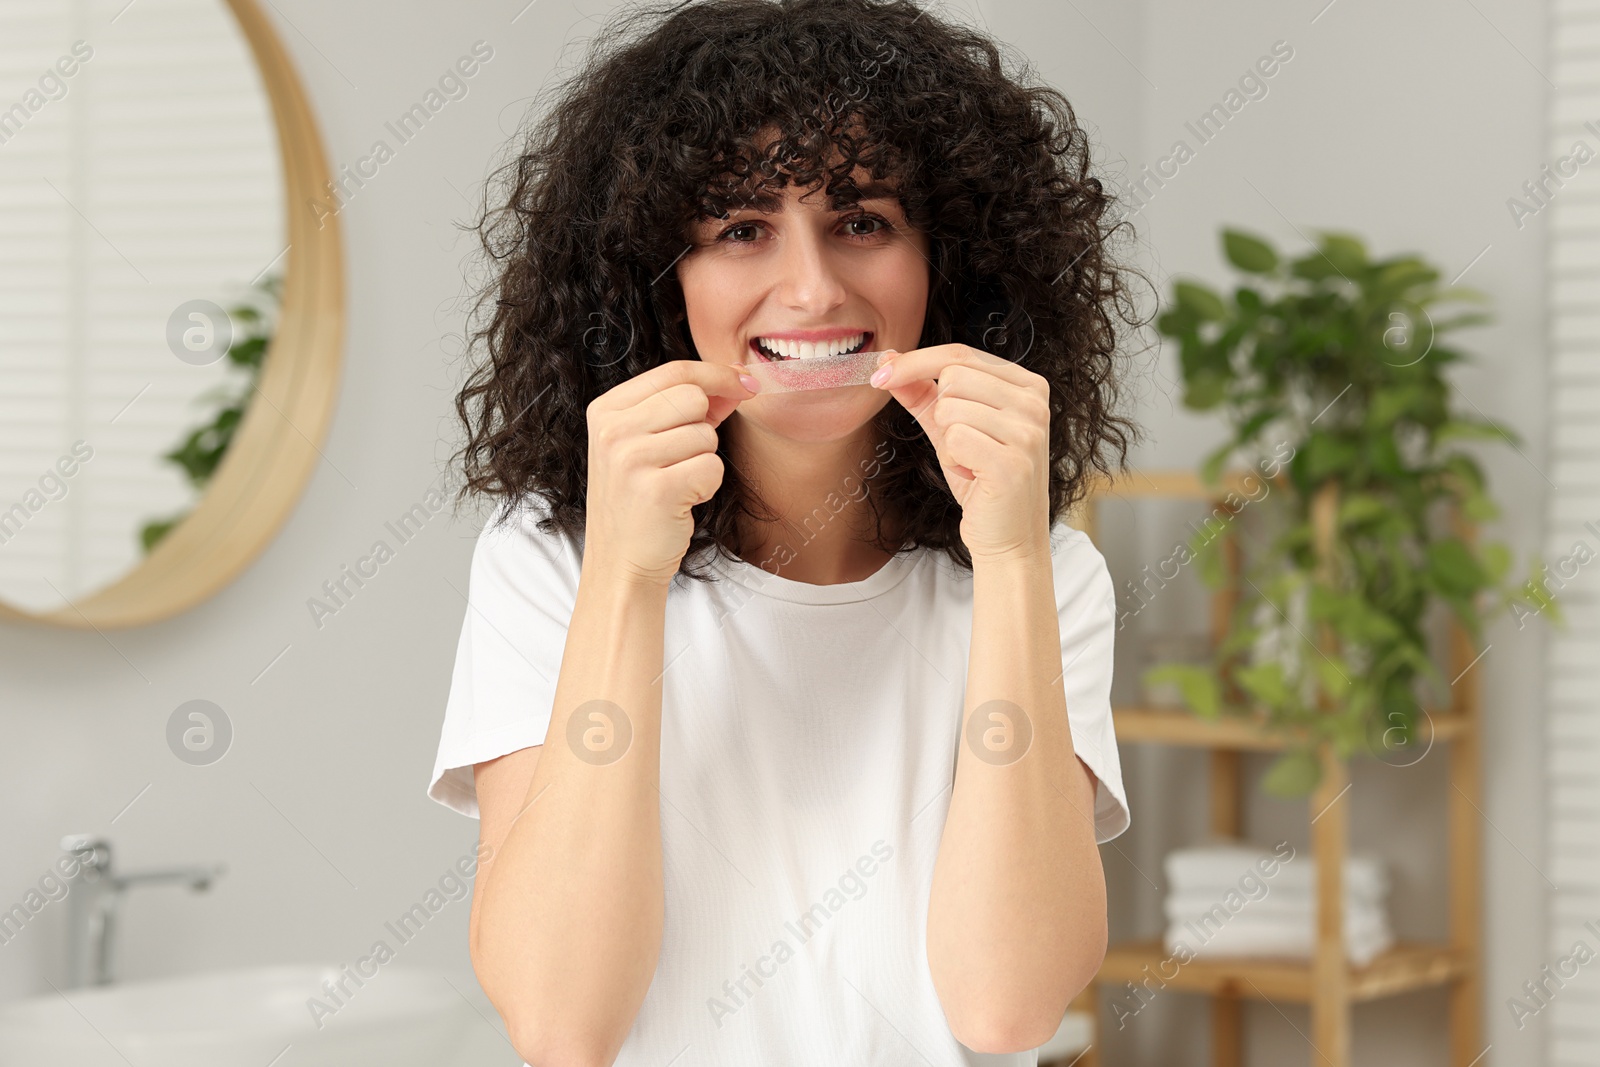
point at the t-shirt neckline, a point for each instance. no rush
(761, 580)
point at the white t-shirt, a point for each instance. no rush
(808, 749)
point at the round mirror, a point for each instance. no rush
(171, 303)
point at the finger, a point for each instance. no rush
(720, 408)
(977, 383)
(676, 444)
(727, 392)
(715, 379)
(917, 397)
(970, 450)
(676, 405)
(919, 364)
(1001, 424)
(1006, 370)
(702, 473)
(930, 363)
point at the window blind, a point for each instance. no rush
(1573, 520)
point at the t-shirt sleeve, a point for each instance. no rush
(1086, 605)
(520, 595)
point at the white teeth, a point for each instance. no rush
(810, 349)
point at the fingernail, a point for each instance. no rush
(881, 375)
(749, 383)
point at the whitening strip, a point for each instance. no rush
(818, 372)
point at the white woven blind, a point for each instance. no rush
(1573, 669)
(151, 179)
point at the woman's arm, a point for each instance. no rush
(1017, 912)
(569, 908)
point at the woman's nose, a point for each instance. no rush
(810, 275)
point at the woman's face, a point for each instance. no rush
(802, 271)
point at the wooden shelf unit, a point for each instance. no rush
(1327, 982)
(1403, 968)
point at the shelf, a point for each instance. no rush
(1175, 485)
(1174, 726)
(1325, 982)
(1405, 967)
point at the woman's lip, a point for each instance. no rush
(834, 333)
(866, 340)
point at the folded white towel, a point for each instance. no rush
(1364, 892)
(1212, 870)
(1275, 906)
(1219, 859)
(1204, 928)
(1242, 938)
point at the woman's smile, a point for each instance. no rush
(778, 347)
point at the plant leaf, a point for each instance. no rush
(1197, 684)
(1205, 389)
(1453, 567)
(1473, 429)
(1346, 252)
(1401, 274)
(1249, 253)
(1334, 675)
(1294, 774)
(1177, 322)
(1358, 508)
(1326, 454)
(1457, 292)
(1265, 682)
(1200, 300)
(1211, 467)
(1496, 561)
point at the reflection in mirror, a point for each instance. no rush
(142, 239)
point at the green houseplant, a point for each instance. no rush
(1336, 361)
(198, 454)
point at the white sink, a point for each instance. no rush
(399, 1017)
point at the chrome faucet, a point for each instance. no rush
(92, 905)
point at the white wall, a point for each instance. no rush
(1409, 125)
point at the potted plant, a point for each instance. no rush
(200, 452)
(1335, 364)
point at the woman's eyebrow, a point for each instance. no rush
(878, 191)
(769, 203)
(764, 202)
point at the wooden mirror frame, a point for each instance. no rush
(269, 461)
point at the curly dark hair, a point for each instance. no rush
(659, 129)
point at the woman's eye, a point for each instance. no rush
(726, 234)
(867, 218)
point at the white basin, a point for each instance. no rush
(399, 1017)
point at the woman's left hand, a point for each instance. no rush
(989, 421)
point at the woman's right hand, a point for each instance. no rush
(652, 457)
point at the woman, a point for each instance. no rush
(786, 717)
